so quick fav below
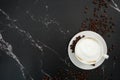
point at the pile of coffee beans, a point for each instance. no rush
(99, 21)
(72, 46)
(69, 75)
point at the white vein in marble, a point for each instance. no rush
(7, 48)
(114, 6)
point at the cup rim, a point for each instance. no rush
(89, 62)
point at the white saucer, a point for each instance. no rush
(76, 62)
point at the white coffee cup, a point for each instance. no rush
(90, 49)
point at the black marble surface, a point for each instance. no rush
(34, 36)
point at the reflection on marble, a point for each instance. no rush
(44, 32)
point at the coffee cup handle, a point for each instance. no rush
(105, 56)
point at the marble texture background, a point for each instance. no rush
(34, 35)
